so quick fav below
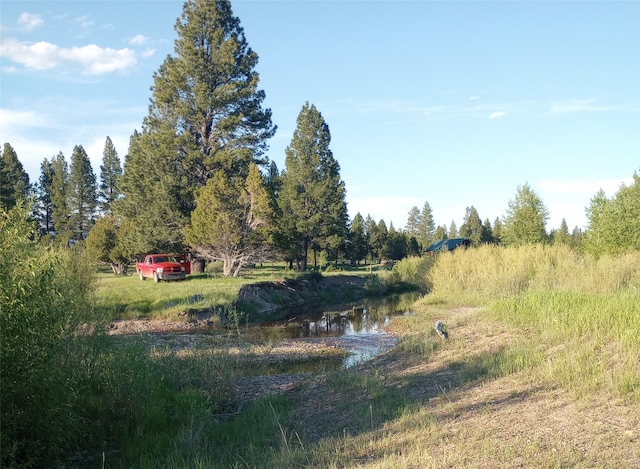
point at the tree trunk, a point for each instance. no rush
(197, 266)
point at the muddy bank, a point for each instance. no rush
(258, 300)
(263, 298)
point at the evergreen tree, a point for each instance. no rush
(498, 228)
(453, 230)
(82, 193)
(440, 233)
(370, 226)
(487, 232)
(109, 242)
(412, 228)
(205, 116)
(209, 93)
(312, 197)
(14, 180)
(396, 244)
(413, 248)
(526, 218)
(561, 235)
(378, 234)
(231, 220)
(44, 202)
(426, 226)
(110, 171)
(472, 227)
(153, 198)
(60, 194)
(358, 239)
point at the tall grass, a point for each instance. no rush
(480, 275)
(583, 311)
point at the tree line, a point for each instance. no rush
(196, 176)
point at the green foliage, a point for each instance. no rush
(526, 219)
(44, 204)
(14, 180)
(210, 90)
(358, 239)
(413, 270)
(60, 194)
(154, 194)
(82, 193)
(613, 223)
(205, 117)
(478, 275)
(45, 297)
(312, 197)
(472, 227)
(110, 171)
(109, 242)
(426, 226)
(231, 220)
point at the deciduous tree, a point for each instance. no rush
(526, 219)
(613, 225)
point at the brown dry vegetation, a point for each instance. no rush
(448, 420)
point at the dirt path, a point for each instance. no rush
(509, 421)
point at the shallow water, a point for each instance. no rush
(357, 327)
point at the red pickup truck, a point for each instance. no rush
(162, 267)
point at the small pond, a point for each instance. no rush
(357, 327)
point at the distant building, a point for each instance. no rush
(447, 245)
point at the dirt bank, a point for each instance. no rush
(263, 298)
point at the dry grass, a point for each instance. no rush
(447, 417)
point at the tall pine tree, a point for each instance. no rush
(60, 199)
(312, 196)
(44, 205)
(14, 180)
(205, 116)
(82, 193)
(110, 171)
(472, 227)
(426, 226)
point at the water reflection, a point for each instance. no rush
(357, 327)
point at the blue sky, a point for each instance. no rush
(452, 102)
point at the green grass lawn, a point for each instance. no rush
(128, 297)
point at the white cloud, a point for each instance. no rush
(148, 53)
(42, 55)
(29, 21)
(137, 40)
(576, 105)
(85, 22)
(496, 115)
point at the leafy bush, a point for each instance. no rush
(45, 299)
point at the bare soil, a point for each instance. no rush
(510, 421)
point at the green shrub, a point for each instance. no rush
(45, 301)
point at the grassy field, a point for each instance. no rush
(130, 298)
(540, 370)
